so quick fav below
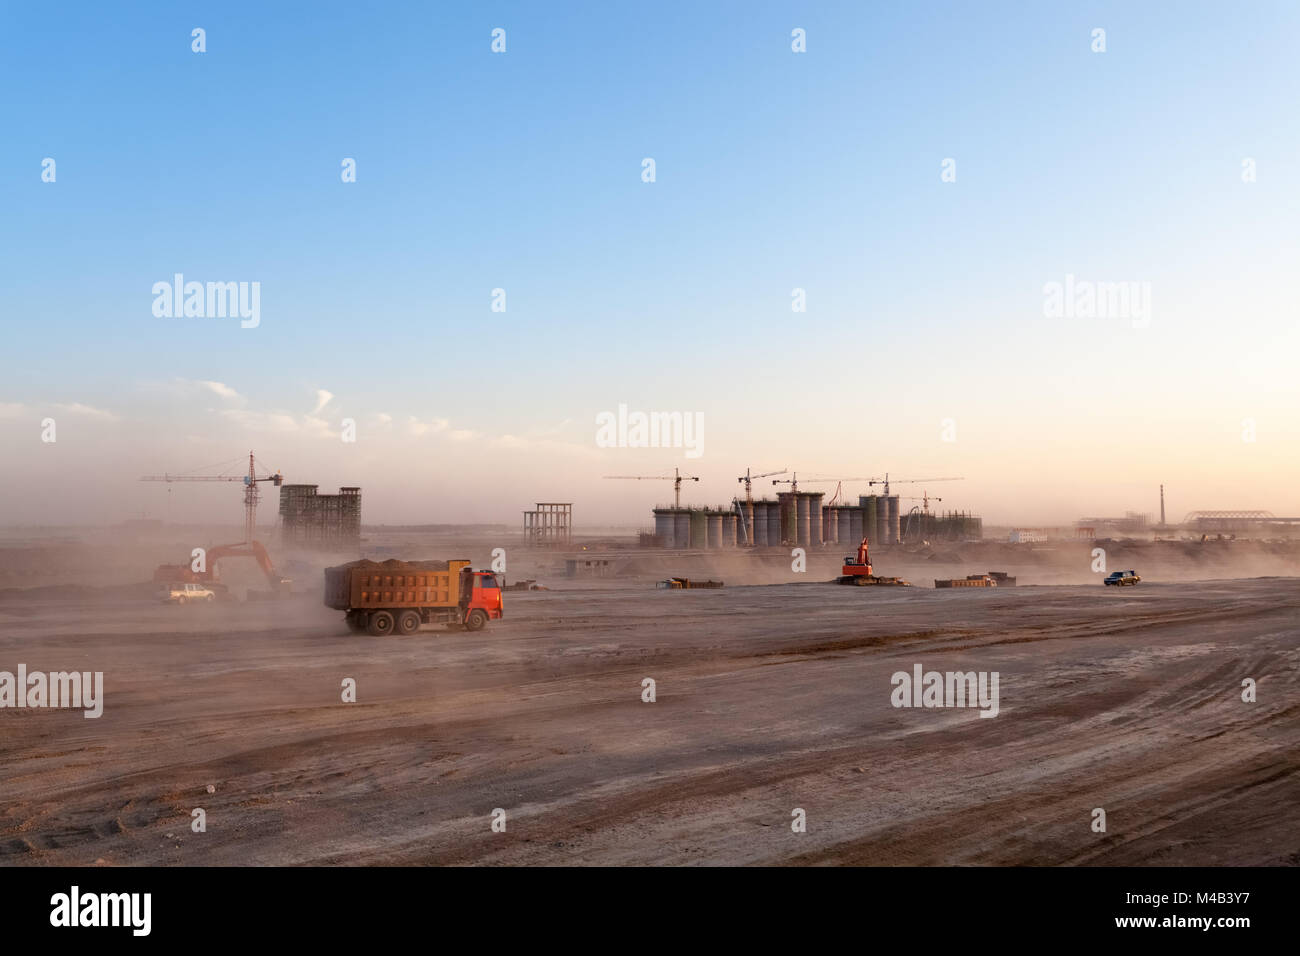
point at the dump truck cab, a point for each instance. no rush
(480, 598)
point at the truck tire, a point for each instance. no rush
(210, 598)
(180, 600)
(381, 623)
(408, 622)
(477, 620)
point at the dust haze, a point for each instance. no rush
(773, 693)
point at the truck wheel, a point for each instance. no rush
(381, 624)
(180, 600)
(408, 622)
(477, 620)
(210, 598)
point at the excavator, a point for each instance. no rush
(857, 570)
(184, 573)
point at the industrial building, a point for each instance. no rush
(322, 522)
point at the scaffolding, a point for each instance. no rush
(549, 525)
(920, 525)
(322, 522)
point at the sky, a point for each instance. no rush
(923, 172)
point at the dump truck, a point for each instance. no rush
(970, 581)
(857, 570)
(679, 584)
(385, 597)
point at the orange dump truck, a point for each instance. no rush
(383, 597)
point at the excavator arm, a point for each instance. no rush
(208, 575)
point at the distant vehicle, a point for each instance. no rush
(857, 571)
(1119, 578)
(970, 581)
(398, 597)
(186, 593)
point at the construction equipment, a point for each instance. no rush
(177, 593)
(745, 513)
(748, 479)
(394, 596)
(792, 481)
(970, 581)
(677, 480)
(686, 584)
(905, 481)
(251, 492)
(857, 570)
(185, 573)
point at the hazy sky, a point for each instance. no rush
(927, 346)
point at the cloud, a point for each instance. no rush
(191, 387)
(220, 388)
(262, 421)
(76, 408)
(518, 442)
(432, 427)
(323, 398)
(317, 426)
(546, 431)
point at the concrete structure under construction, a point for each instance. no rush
(322, 522)
(550, 525)
(800, 519)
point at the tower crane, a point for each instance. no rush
(838, 483)
(913, 512)
(924, 498)
(906, 481)
(748, 479)
(251, 492)
(746, 514)
(792, 481)
(677, 480)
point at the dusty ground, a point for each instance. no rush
(769, 698)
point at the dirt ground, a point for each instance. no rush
(769, 698)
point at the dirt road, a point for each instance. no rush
(767, 699)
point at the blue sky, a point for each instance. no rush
(775, 170)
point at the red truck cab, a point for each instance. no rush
(480, 596)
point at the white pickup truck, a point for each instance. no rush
(185, 593)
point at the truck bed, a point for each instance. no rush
(393, 584)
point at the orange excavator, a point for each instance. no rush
(857, 570)
(184, 573)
